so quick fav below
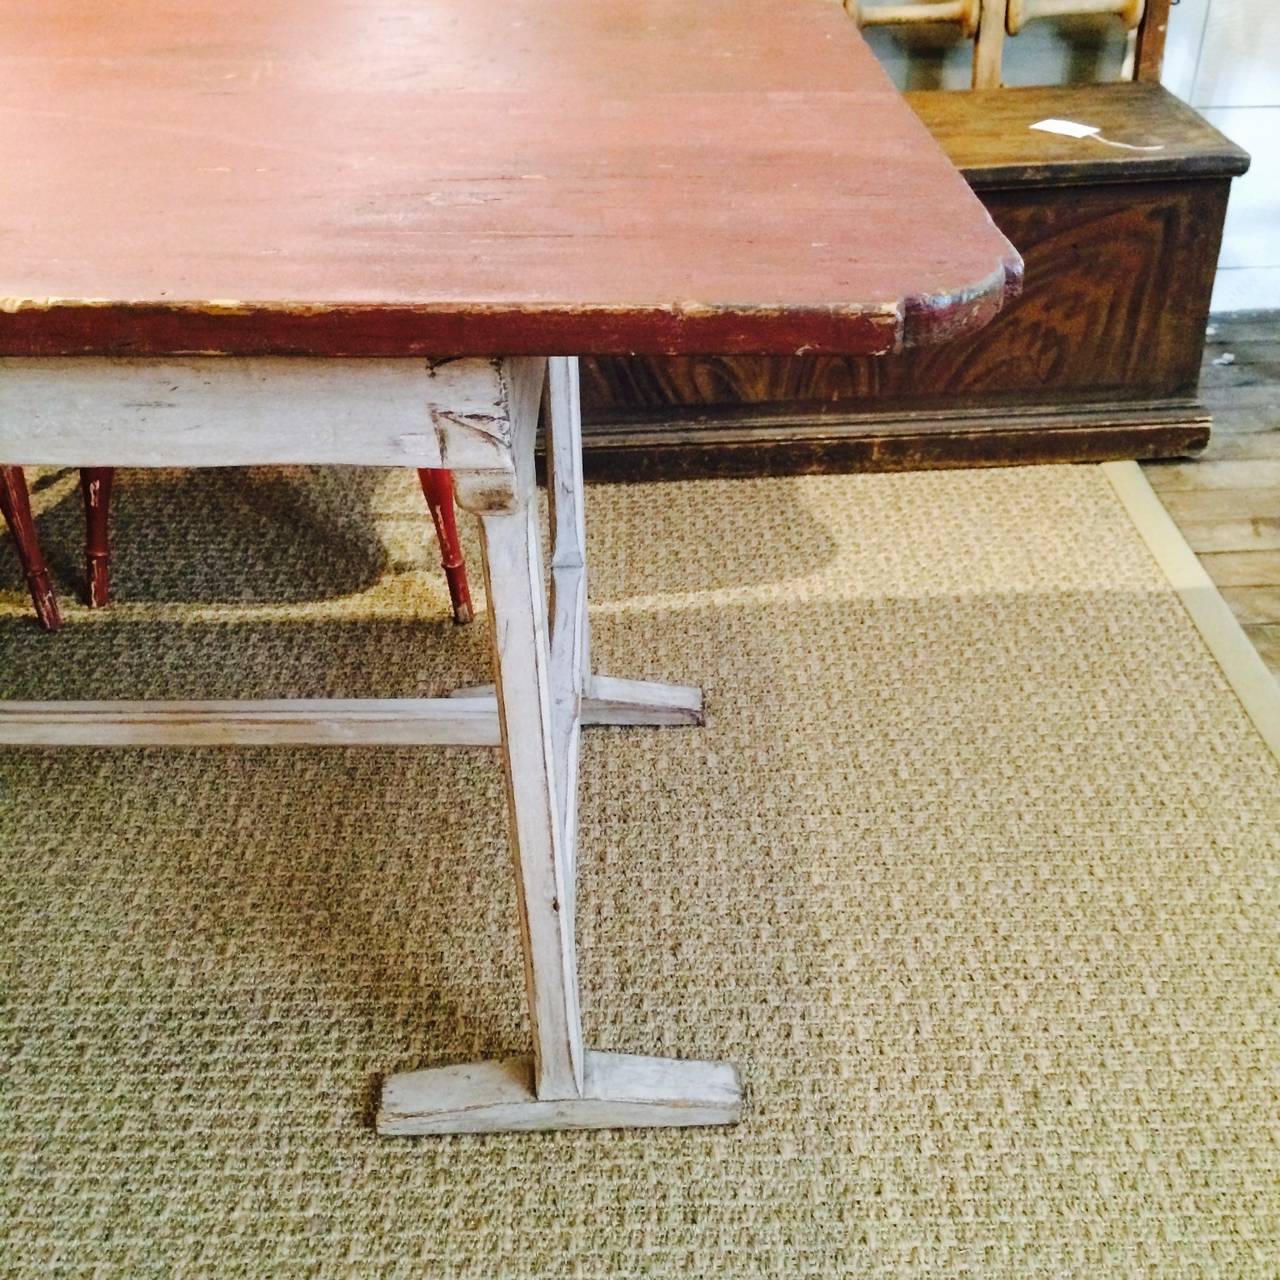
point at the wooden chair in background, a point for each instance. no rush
(437, 488)
(987, 22)
(96, 485)
(15, 506)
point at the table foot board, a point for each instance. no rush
(620, 1090)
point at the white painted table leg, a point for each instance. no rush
(539, 684)
(570, 630)
(518, 627)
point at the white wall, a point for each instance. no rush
(1223, 57)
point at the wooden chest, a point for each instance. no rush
(1098, 358)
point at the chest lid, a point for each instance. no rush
(988, 135)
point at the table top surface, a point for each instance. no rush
(465, 177)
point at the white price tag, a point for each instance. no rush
(1068, 128)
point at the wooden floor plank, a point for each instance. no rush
(1260, 354)
(1232, 420)
(1215, 473)
(1266, 639)
(1227, 501)
(1244, 326)
(1246, 390)
(1253, 606)
(1234, 446)
(1240, 354)
(1243, 568)
(1230, 535)
(1213, 505)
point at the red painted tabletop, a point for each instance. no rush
(403, 177)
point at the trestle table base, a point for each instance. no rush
(484, 416)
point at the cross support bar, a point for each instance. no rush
(300, 722)
(468, 718)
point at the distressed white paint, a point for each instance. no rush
(609, 700)
(297, 722)
(540, 685)
(517, 608)
(229, 411)
(566, 489)
(512, 552)
(620, 1090)
(473, 405)
(570, 631)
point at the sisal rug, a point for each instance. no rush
(973, 872)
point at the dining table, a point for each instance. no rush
(381, 233)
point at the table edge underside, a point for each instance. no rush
(111, 327)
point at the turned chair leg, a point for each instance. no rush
(15, 506)
(95, 485)
(437, 488)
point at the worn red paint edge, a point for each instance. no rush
(147, 328)
(935, 318)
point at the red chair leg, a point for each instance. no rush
(437, 488)
(15, 506)
(95, 485)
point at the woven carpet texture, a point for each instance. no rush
(972, 872)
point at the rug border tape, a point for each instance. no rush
(1242, 665)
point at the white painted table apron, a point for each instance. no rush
(477, 417)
